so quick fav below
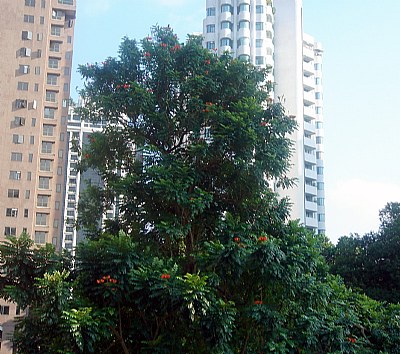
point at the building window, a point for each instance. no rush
(15, 175)
(259, 26)
(30, 158)
(57, 205)
(55, 47)
(29, 18)
(45, 165)
(16, 156)
(320, 186)
(310, 214)
(53, 63)
(51, 96)
(244, 57)
(211, 11)
(243, 24)
(226, 42)
(48, 130)
(259, 43)
(26, 213)
(40, 237)
(320, 125)
(318, 110)
(227, 8)
(226, 25)
(10, 231)
(57, 15)
(19, 121)
(29, 176)
(320, 170)
(43, 4)
(13, 193)
(319, 139)
(210, 45)
(47, 147)
(269, 34)
(317, 66)
(259, 9)
(321, 217)
(52, 79)
(269, 18)
(318, 95)
(67, 71)
(243, 41)
(259, 60)
(27, 194)
(49, 112)
(210, 28)
(41, 219)
(243, 7)
(56, 31)
(22, 86)
(18, 139)
(30, 3)
(44, 182)
(317, 80)
(321, 201)
(12, 212)
(42, 200)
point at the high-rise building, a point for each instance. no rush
(267, 32)
(36, 39)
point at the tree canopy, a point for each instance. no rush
(201, 257)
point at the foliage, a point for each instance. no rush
(201, 257)
(372, 262)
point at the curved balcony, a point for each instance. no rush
(243, 50)
(224, 48)
(225, 33)
(243, 32)
(244, 15)
(226, 16)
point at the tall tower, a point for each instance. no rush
(35, 71)
(267, 32)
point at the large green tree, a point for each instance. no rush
(372, 262)
(201, 257)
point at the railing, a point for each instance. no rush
(66, 2)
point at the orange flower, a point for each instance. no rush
(262, 238)
(165, 276)
(258, 302)
(236, 239)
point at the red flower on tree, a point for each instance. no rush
(236, 239)
(258, 302)
(262, 238)
(165, 276)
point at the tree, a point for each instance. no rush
(372, 262)
(201, 257)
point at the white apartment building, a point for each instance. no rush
(271, 33)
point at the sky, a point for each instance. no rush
(361, 72)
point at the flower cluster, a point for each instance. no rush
(165, 276)
(351, 339)
(106, 279)
(262, 238)
(175, 48)
(258, 302)
(164, 45)
(147, 55)
(208, 105)
(124, 86)
(236, 239)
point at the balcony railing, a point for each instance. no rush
(66, 2)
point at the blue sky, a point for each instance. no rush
(361, 75)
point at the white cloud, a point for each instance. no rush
(352, 206)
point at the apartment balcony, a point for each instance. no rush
(310, 190)
(243, 32)
(224, 33)
(309, 142)
(311, 174)
(243, 15)
(309, 98)
(309, 127)
(309, 82)
(311, 222)
(311, 206)
(225, 48)
(309, 111)
(243, 50)
(310, 158)
(68, 6)
(308, 68)
(225, 16)
(308, 53)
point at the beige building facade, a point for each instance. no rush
(36, 41)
